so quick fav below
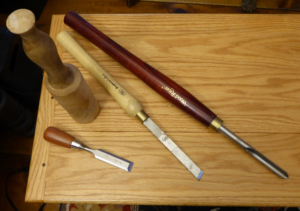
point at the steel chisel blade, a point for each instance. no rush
(113, 159)
(179, 154)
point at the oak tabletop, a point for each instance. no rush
(245, 68)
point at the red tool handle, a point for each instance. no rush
(155, 79)
(56, 136)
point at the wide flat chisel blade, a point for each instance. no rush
(112, 159)
(179, 154)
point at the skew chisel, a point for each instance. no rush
(163, 85)
(131, 106)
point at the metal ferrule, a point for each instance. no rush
(76, 144)
(216, 124)
(142, 116)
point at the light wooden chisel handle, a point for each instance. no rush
(58, 137)
(126, 100)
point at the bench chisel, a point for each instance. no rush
(61, 138)
(131, 106)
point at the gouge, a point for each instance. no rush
(131, 106)
(163, 85)
(64, 139)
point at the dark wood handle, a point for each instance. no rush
(58, 137)
(163, 85)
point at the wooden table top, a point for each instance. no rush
(245, 68)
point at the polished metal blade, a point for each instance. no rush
(112, 159)
(179, 154)
(105, 156)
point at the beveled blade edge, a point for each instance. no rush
(177, 152)
(113, 159)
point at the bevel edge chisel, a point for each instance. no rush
(61, 138)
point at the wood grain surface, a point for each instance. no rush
(245, 68)
(159, 82)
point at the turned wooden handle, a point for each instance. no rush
(39, 47)
(126, 100)
(155, 79)
(58, 137)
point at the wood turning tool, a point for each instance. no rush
(63, 81)
(61, 138)
(163, 85)
(131, 106)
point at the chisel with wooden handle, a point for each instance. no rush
(163, 85)
(64, 139)
(131, 106)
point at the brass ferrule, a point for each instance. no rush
(215, 124)
(142, 116)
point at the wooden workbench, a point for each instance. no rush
(246, 68)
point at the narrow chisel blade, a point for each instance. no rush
(179, 154)
(113, 159)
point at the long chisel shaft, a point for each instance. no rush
(163, 85)
(131, 106)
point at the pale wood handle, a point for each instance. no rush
(126, 100)
(58, 137)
